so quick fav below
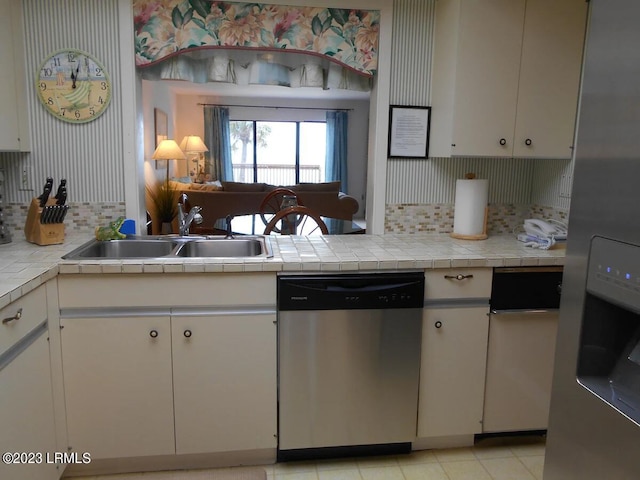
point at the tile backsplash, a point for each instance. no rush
(438, 218)
(399, 218)
(82, 217)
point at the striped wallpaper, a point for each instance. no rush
(413, 27)
(88, 155)
(434, 180)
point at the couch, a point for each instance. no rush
(236, 198)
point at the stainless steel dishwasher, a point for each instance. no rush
(349, 361)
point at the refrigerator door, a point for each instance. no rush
(587, 438)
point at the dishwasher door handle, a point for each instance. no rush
(524, 311)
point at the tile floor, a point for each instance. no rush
(504, 458)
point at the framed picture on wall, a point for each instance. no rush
(161, 129)
(409, 131)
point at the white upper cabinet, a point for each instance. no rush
(549, 78)
(14, 134)
(506, 77)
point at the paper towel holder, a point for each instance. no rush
(478, 236)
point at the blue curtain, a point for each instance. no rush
(336, 160)
(217, 137)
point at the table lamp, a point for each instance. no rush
(168, 150)
(193, 145)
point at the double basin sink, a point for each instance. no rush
(137, 247)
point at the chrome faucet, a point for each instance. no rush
(229, 230)
(185, 219)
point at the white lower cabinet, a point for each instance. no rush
(225, 386)
(27, 419)
(118, 386)
(520, 363)
(125, 379)
(454, 353)
(146, 381)
(455, 328)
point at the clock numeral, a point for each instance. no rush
(92, 111)
(47, 72)
(103, 85)
(100, 100)
(49, 101)
(71, 56)
(43, 86)
(77, 114)
(63, 110)
(55, 61)
(98, 72)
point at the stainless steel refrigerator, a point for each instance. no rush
(594, 424)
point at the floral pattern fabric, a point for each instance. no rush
(166, 27)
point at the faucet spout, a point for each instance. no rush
(186, 219)
(229, 230)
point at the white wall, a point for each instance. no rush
(157, 95)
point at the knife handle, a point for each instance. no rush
(45, 196)
(61, 194)
(43, 215)
(65, 208)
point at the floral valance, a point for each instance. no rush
(164, 28)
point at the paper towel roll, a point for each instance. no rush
(470, 207)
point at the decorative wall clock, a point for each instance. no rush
(73, 86)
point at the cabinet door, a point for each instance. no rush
(117, 378)
(520, 362)
(26, 412)
(13, 103)
(549, 78)
(486, 78)
(452, 375)
(224, 382)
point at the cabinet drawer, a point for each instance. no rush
(458, 283)
(176, 290)
(34, 311)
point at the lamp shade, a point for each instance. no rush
(193, 143)
(168, 150)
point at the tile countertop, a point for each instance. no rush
(24, 266)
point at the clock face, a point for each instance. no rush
(73, 86)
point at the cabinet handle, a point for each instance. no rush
(503, 141)
(153, 334)
(457, 277)
(528, 142)
(187, 333)
(438, 324)
(17, 316)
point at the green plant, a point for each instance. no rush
(165, 199)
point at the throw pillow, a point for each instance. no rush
(179, 186)
(182, 179)
(206, 187)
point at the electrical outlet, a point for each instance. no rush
(565, 188)
(26, 178)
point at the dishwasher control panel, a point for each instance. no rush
(351, 291)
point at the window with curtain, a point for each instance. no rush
(278, 152)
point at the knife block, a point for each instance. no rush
(40, 233)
